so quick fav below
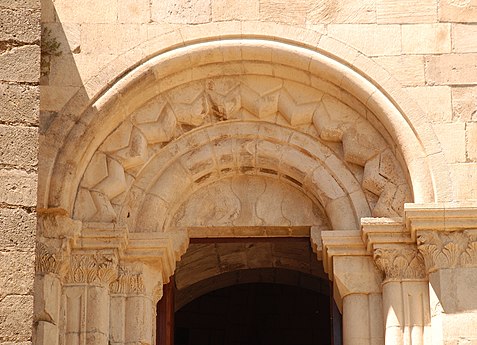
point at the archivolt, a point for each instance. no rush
(146, 115)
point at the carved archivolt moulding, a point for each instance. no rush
(448, 249)
(96, 268)
(128, 283)
(402, 262)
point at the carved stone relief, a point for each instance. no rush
(401, 262)
(448, 249)
(98, 268)
(127, 151)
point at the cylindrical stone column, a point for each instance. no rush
(405, 294)
(87, 300)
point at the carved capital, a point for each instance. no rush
(400, 262)
(448, 249)
(47, 260)
(128, 283)
(96, 268)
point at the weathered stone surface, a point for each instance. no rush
(21, 4)
(370, 39)
(279, 11)
(464, 38)
(406, 11)
(426, 38)
(17, 319)
(19, 146)
(21, 64)
(435, 101)
(19, 103)
(183, 11)
(471, 141)
(235, 10)
(134, 11)
(87, 11)
(452, 138)
(464, 103)
(452, 69)
(18, 229)
(460, 11)
(341, 11)
(464, 176)
(18, 187)
(19, 25)
(16, 273)
(407, 69)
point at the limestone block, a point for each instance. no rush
(134, 11)
(104, 38)
(224, 97)
(115, 183)
(20, 64)
(19, 103)
(16, 273)
(435, 101)
(19, 146)
(406, 11)
(464, 38)
(471, 141)
(281, 11)
(18, 187)
(464, 177)
(407, 69)
(17, 318)
(182, 11)
(370, 39)
(297, 103)
(21, 25)
(426, 39)
(18, 229)
(464, 103)
(455, 69)
(235, 10)
(86, 11)
(53, 98)
(452, 139)
(33, 4)
(463, 11)
(341, 11)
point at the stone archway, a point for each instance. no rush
(234, 138)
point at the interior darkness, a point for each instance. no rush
(255, 314)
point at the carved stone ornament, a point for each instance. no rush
(448, 249)
(47, 261)
(92, 268)
(128, 283)
(402, 262)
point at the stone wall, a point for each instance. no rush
(19, 119)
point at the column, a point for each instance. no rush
(86, 298)
(47, 295)
(132, 309)
(405, 294)
(358, 283)
(451, 261)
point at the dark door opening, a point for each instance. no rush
(255, 314)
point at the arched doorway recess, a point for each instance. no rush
(234, 138)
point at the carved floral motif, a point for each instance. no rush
(128, 283)
(402, 262)
(96, 268)
(448, 249)
(46, 260)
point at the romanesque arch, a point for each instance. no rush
(225, 138)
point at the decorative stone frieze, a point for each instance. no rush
(402, 262)
(128, 283)
(448, 249)
(99, 268)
